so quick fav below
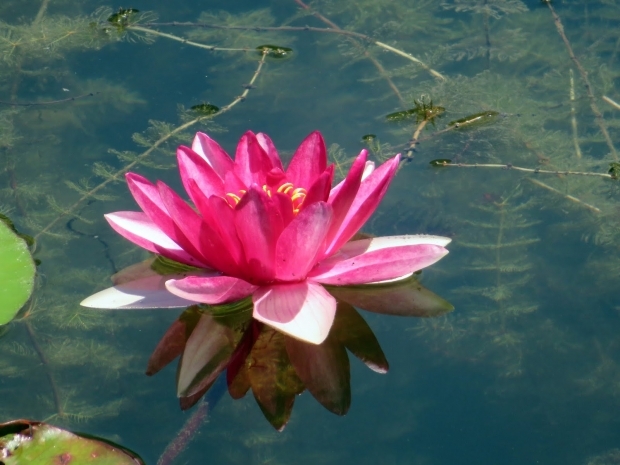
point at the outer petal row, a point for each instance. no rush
(367, 198)
(379, 259)
(304, 310)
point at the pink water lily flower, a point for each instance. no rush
(258, 229)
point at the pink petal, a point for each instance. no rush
(341, 201)
(259, 225)
(142, 293)
(377, 265)
(301, 241)
(202, 241)
(368, 169)
(222, 219)
(212, 153)
(186, 223)
(193, 167)
(369, 195)
(270, 149)
(303, 310)
(148, 197)
(358, 247)
(138, 228)
(319, 191)
(251, 162)
(308, 162)
(210, 290)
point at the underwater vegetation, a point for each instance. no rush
(518, 103)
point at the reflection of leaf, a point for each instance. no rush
(274, 381)
(353, 331)
(36, 443)
(324, 369)
(403, 298)
(206, 355)
(172, 344)
(17, 272)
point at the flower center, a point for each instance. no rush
(297, 195)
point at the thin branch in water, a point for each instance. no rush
(573, 115)
(116, 176)
(41, 12)
(509, 166)
(45, 363)
(51, 102)
(613, 103)
(598, 116)
(566, 196)
(186, 41)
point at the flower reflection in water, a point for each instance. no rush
(212, 340)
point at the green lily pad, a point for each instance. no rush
(34, 443)
(17, 272)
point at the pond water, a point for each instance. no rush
(526, 369)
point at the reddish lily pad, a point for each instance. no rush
(35, 443)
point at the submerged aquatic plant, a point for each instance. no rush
(262, 231)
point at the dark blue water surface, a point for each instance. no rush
(526, 370)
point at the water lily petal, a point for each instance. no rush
(270, 149)
(319, 191)
(212, 153)
(222, 218)
(147, 195)
(369, 195)
(193, 167)
(304, 310)
(186, 223)
(210, 290)
(301, 241)
(251, 162)
(205, 242)
(377, 265)
(308, 162)
(138, 228)
(368, 169)
(368, 244)
(259, 225)
(142, 293)
(341, 201)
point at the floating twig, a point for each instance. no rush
(510, 166)
(614, 104)
(566, 196)
(584, 75)
(211, 48)
(573, 115)
(51, 102)
(41, 12)
(46, 366)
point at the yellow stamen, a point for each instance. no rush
(297, 195)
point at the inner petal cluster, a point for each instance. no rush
(296, 194)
